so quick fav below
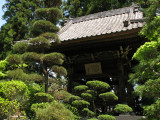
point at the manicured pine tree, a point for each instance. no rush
(44, 31)
(93, 95)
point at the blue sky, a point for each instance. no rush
(2, 2)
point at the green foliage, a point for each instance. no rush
(38, 44)
(121, 108)
(80, 88)
(147, 51)
(106, 117)
(59, 70)
(78, 8)
(98, 85)
(62, 95)
(74, 110)
(51, 14)
(80, 103)
(8, 107)
(34, 88)
(149, 89)
(31, 57)
(54, 111)
(92, 119)
(87, 96)
(19, 18)
(18, 74)
(43, 97)
(37, 106)
(53, 59)
(51, 3)
(42, 26)
(108, 96)
(14, 59)
(20, 47)
(87, 112)
(151, 10)
(153, 111)
(73, 98)
(51, 37)
(3, 68)
(14, 96)
(14, 90)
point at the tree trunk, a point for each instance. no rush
(45, 75)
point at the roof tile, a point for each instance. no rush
(108, 22)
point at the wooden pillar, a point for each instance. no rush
(130, 99)
(122, 81)
(70, 78)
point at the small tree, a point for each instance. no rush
(97, 95)
(44, 31)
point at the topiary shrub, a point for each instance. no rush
(121, 108)
(92, 119)
(20, 47)
(108, 96)
(59, 70)
(80, 88)
(53, 59)
(87, 112)
(73, 98)
(51, 37)
(14, 59)
(43, 97)
(38, 44)
(106, 117)
(98, 85)
(62, 95)
(31, 57)
(87, 96)
(53, 111)
(80, 103)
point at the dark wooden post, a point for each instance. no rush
(70, 77)
(122, 81)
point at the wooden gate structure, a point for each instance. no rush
(100, 47)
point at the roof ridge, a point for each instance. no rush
(102, 14)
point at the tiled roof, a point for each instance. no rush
(108, 22)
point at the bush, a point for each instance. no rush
(87, 112)
(37, 106)
(53, 59)
(38, 44)
(14, 90)
(54, 111)
(73, 98)
(14, 59)
(92, 119)
(108, 96)
(121, 108)
(62, 95)
(106, 117)
(80, 103)
(80, 88)
(87, 96)
(8, 107)
(152, 112)
(98, 85)
(59, 70)
(43, 97)
(20, 47)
